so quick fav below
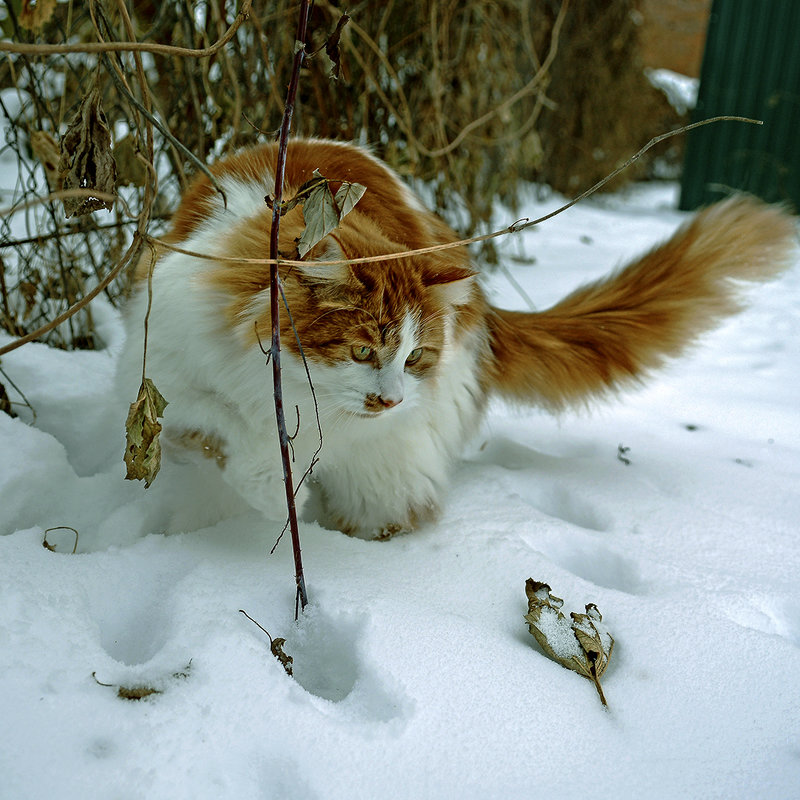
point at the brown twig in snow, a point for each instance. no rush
(274, 292)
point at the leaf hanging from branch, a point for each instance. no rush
(87, 161)
(332, 48)
(583, 645)
(142, 432)
(323, 211)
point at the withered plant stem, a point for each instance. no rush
(274, 293)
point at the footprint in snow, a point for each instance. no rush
(774, 616)
(132, 609)
(563, 504)
(329, 663)
(601, 566)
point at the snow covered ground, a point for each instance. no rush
(414, 672)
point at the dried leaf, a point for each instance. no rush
(322, 211)
(87, 161)
(276, 646)
(332, 48)
(583, 645)
(142, 430)
(347, 197)
(136, 692)
(141, 691)
(35, 14)
(320, 214)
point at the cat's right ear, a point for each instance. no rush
(317, 271)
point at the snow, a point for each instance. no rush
(415, 675)
(680, 90)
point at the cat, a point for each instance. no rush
(403, 354)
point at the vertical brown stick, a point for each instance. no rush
(274, 292)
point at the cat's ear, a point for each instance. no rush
(450, 283)
(320, 273)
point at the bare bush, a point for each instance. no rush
(454, 94)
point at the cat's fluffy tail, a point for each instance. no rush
(613, 332)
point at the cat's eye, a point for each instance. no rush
(414, 356)
(361, 352)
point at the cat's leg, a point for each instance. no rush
(254, 468)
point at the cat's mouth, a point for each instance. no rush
(376, 413)
(368, 414)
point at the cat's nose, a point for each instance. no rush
(375, 403)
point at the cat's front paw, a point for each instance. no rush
(390, 531)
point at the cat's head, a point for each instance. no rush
(376, 331)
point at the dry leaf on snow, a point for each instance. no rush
(583, 645)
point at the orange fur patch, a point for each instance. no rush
(612, 332)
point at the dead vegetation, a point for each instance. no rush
(463, 97)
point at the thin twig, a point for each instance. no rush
(515, 227)
(61, 528)
(275, 349)
(44, 237)
(19, 391)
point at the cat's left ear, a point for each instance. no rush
(451, 284)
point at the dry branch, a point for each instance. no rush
(274, 293)
(131, 46)
(514, 227)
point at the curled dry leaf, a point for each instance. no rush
(332, 50)
(583, 645)
(347, 196)
(142, 431)
(276, 646)
(322, 211)
(87, 161)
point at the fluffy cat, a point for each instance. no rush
(403, 354)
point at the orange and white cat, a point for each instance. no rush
(403, 354)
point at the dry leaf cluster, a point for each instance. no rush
(142, 431)
(323, 209)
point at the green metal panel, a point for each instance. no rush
(751, 68)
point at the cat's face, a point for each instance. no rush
(375, 333)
